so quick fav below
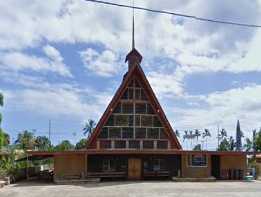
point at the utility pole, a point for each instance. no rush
(218, 137)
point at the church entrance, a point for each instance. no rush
(134, 168)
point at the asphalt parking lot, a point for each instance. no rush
(134, 189)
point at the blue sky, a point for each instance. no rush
(63, 61)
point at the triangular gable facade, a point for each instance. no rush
(134, 118)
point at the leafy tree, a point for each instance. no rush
(88, 127)
(25, 140)
(197, 147)
(4, 137)
(224, 145)
(42, 143)
(232, 143)
(81, 144)
(64, 145)
(248, 145)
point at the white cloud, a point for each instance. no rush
(103, 63)
(56, 101)
(18, 61)
(165, 84)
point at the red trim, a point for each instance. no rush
(135, 152)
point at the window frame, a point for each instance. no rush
(190, 161)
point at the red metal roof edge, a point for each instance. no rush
(163, 152)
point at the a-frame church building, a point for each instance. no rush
(134, 140)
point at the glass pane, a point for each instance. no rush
(121, 120)
(127, 132)
(120, 144)
(137, 94)
(137, 120)
(149, 109)
(117, 109)
(130, 92)
(162, 144)
(153, 133)
(127, 108)
(134, 144)
(146, 121)
(163, 134)
(141, 108)
(140, 132)
(125, 95)
(115, 132)
(142, 95)
(110, 121)
(148, 144)
(104, 133)
(156, 122)
(130, 120)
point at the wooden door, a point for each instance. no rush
(134, 169)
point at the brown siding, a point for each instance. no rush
(195, 172)
(233, 162)
(69, 165)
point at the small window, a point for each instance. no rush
(156, 122)
(163, 134)
(162, 144)
(130, 92)
(134, 144)
(148, 144)
(127, 132)
(137, 120)
(137, 94)
(110, 121)
(105, 144)
(149, 109)
(127, 108)
(130, 120)
(121, 120)
(197, 160)
(142, 95)
(141, 108)
(117, 109)
(153, 133)
(115, 132)
(104, 133)
(120, 144)
(140, 133)
(146, 121)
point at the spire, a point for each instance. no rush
(133, 57)
(133, 27)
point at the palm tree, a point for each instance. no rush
(185, 136)
(206, 134)
(42, 143)
(89, 126)
(197, 133)
(25, 140)
(191, 137)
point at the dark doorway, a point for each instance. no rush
(215, 166)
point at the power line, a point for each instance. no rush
(176, 14)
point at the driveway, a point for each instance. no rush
(134, 189)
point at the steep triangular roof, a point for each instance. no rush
(137, 72)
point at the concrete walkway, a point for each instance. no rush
(134, 189)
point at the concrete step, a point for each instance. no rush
(208, 179)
